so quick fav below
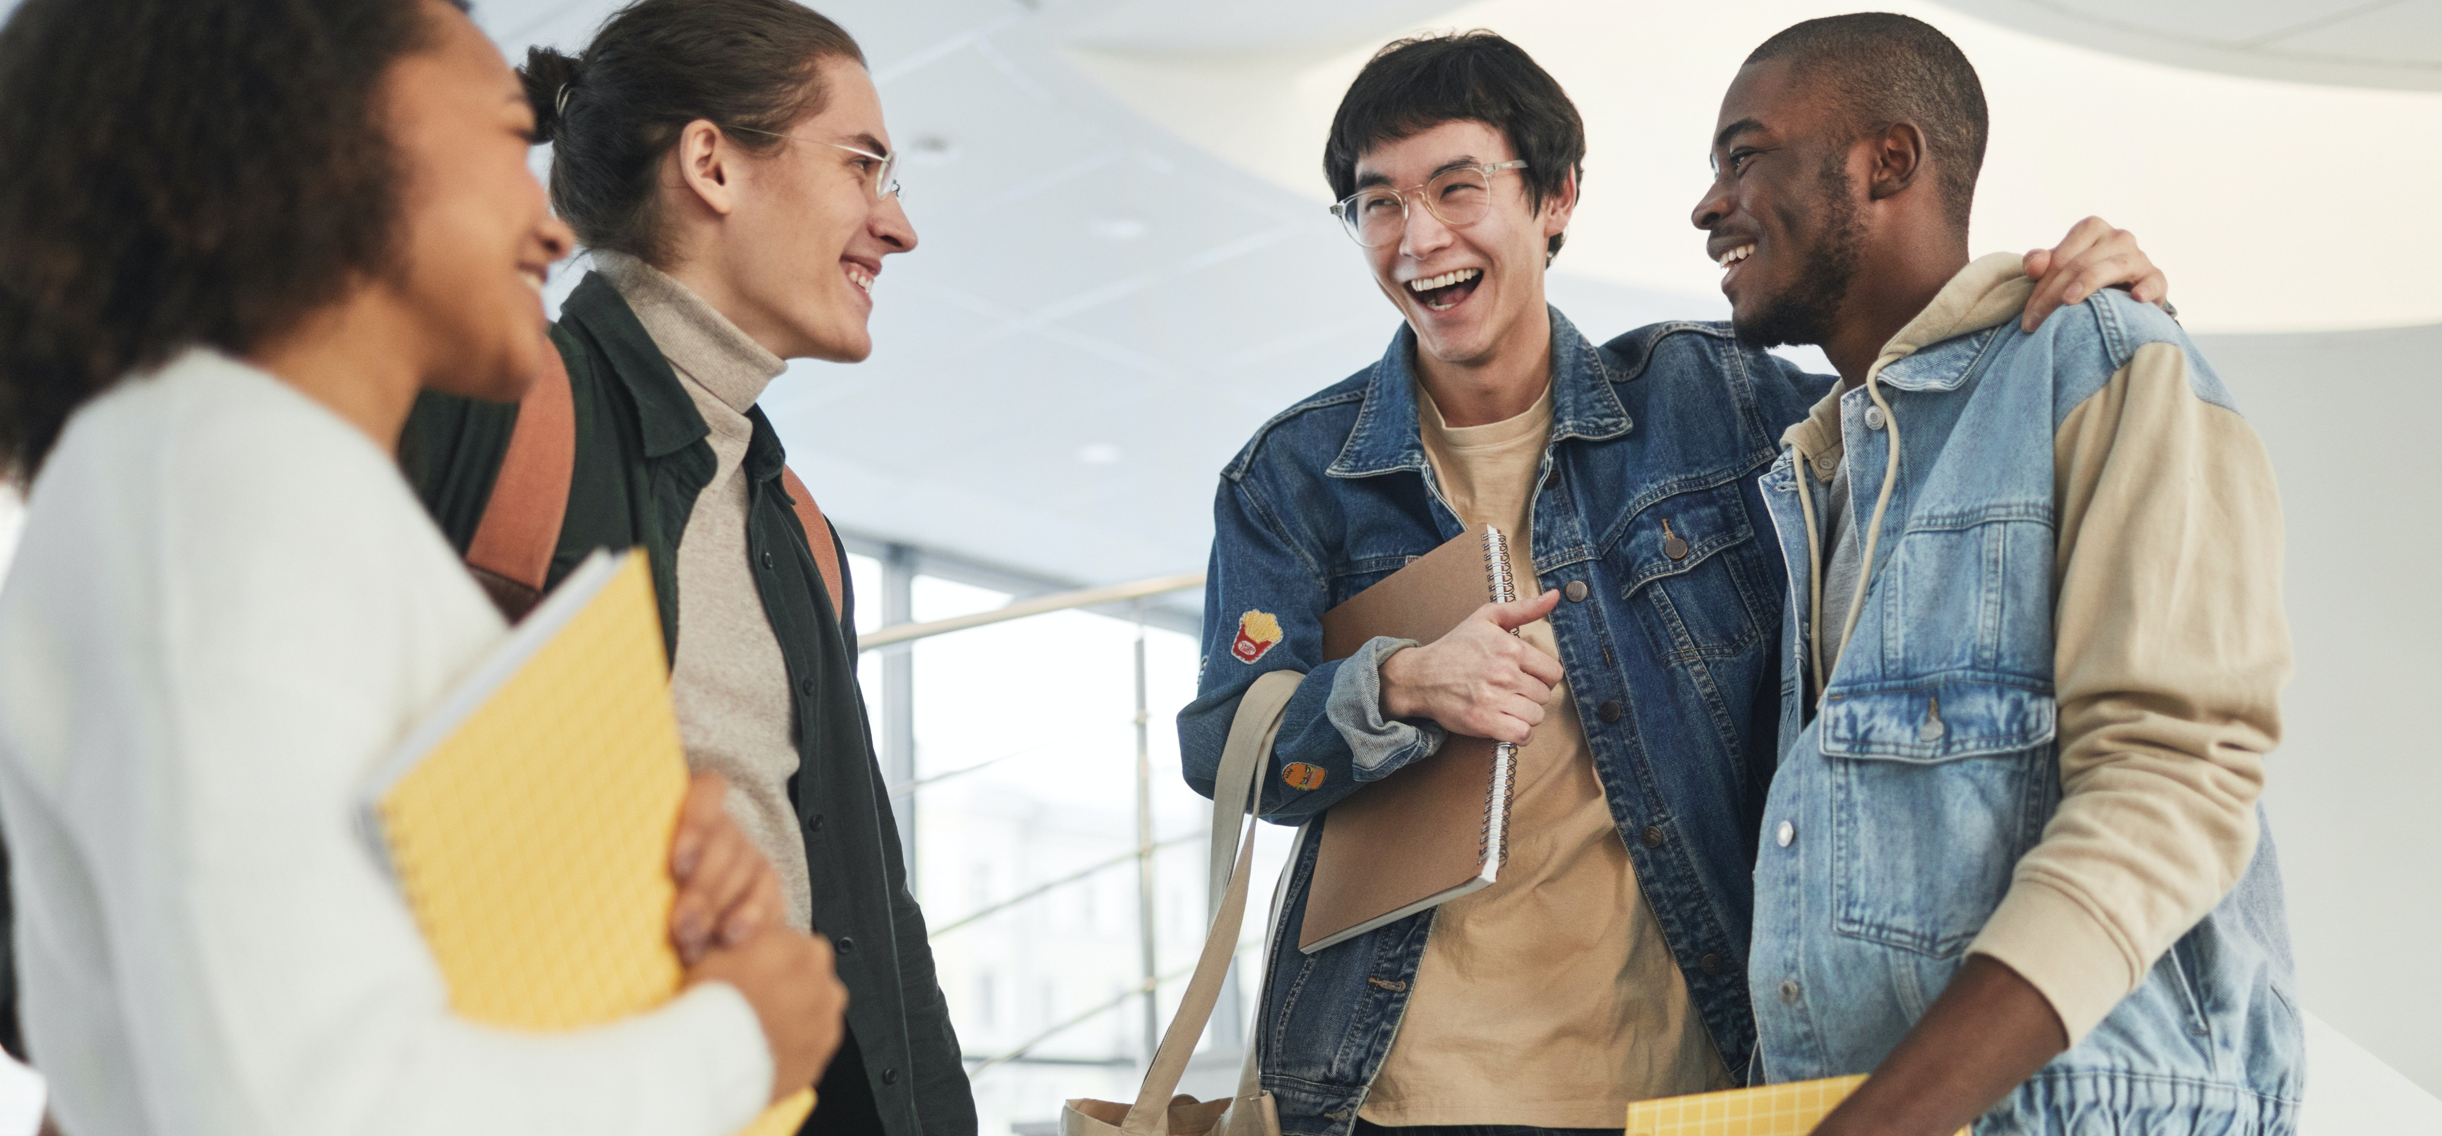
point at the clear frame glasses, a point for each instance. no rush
(1456, 197)
(885, 182)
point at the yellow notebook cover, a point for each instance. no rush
(528, 820)
(1791, 1109)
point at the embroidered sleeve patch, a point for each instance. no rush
(1257, 632)
(1300, 775)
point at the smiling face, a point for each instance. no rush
(1783, 210)
(476, 234)
(798, 253)
(1471, 293)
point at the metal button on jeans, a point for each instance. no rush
(1710, 964)
(1786, 833)
(1790, 992)
(1576, 591)
(1874, 418)
(1653, 835)
(1609, 711)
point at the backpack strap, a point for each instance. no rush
(818, 537)
(511, 552)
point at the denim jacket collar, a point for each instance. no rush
(1387, 436)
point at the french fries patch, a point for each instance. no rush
(1300, 775)
(1257, 632)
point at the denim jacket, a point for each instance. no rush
(1899, 811)
(1671, 657)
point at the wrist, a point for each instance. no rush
(1393, 671)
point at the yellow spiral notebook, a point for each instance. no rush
(528, 820)
(1791, 1109)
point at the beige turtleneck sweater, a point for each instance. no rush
(728, 678)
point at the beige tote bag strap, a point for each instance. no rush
(1246, 1115)
(1237, 794)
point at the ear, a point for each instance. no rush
(707, 165)
(1899, 158)
(1560, 205)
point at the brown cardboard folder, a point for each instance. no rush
(1432, 831)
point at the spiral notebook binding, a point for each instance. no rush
(1503, 585)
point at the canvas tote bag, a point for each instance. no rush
(1237, 794)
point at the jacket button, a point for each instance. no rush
(1609, 711)
(767, 558)
(1874, 418)
(890, 1076)
(1710, 964)
(1790, 992)
(847, 946)
(1786, 833)
(806, 684)
(1653, 836)
(815, 823)
(1576, 591)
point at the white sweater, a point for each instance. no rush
(226, 607)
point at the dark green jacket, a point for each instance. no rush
(641, 461)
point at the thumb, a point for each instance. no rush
(1518, 613)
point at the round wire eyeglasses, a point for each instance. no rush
(1456, 197)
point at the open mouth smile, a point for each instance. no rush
(1730, 260)
(1448, 290)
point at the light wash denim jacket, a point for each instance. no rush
(1933, 763)
(1671, 658)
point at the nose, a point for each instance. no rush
(1712, 207)
(1423, 234)
(889, 224)
(558, 239)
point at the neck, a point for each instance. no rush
(704, 274)
(1500, 386)
(359, 357)
(1898, 278)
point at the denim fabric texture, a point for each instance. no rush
(1673, 659)
(1933, 765)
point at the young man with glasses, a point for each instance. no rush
(1608, 964)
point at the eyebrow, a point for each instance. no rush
(870, 142)
(1733, 130)
(1376, 177)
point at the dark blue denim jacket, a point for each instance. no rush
(1672, 659)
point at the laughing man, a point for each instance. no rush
(2013, 864)
(1609, 963)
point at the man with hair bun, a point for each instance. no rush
(1608, 964)
(726, 165)
(2013, 863)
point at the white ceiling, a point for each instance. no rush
(2369, 43)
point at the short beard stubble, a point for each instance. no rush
(1806, 312)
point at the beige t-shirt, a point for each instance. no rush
(1549, 998)
(727, 678)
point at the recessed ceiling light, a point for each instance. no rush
(1099, 453)
(931, 150)
(1118, 228)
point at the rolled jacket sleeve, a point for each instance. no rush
(2170, 654)
(1377, 746)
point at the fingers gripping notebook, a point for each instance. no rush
(528, 820)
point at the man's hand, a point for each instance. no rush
(2092, 257)
(786, 976)
(726, 890)
(1479, 680)
(1988, 1032)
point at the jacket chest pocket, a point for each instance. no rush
(1935, 792)
(1693, 558)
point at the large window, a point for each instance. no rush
(1024, 799)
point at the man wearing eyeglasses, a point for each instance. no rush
(1608, 964)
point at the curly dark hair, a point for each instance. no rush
(1413, 85)
(188, 172)
(613, 111)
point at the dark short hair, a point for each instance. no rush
(614, 110)
(1885, 69)
(182, 173)
(1416, 84)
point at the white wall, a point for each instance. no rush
(2356, 787)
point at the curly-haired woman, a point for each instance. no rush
(240, 238)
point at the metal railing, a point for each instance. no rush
(1151, 980)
